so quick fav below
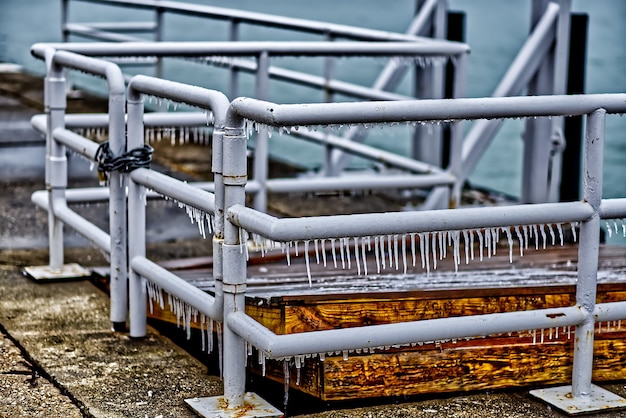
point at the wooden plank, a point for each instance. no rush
(480, 364)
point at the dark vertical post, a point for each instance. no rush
(573, 129)
(455, 32)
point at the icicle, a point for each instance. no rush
(395, 251)
(390, 249)
(345, 355)
(510, 241)
(288, 252)
(332, 247)
(573, 228)
(346, 245)
(262, 362)
(298, 362)
(317, 251)
(286, 385)
(427, 251)
(488, 242)
(495, 232)
(525, 229)
(413, 248)
(369, 245)
(421, 237)
(323, 245)
(434, 247)
(536, 236)
(456, 241)
(480, 244)
(356, 256)
(377, 255)
(403, 253)
(306, 261)
(466, 243)
(383, 256)
(471, 235)
(609, 230)
(440, 237)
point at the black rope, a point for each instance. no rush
(124, 163)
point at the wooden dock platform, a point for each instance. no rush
(280, 297)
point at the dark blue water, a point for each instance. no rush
(495, 30)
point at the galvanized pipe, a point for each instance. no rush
(101, 120)
(98, 237)
(117, 199)
(402, 333)
(364, 182)
(613, 208)
(425, 110)
(261, 145)
(265, 19)
(198, 49)
(56, 161)
(177, 287)
(175, 189)
(234, 168)
(196, 96)
(588, 250)
(77, 143)
(370, 224)
(137, 292)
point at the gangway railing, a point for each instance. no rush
(264, 51)
(429, 21)
(239, 328)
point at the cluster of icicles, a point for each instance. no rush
(185, 315)
(180, 136)
(535, 336)
(251, 126)
(420, 61)
(391, 251)
(202, 219)
(198, 135)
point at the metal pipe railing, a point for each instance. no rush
(56, 164)
(372, 224)
(268, 20)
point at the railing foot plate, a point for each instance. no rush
(214, 406)
(71, 271)
(598, 400)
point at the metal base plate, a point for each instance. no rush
(598, 400)
(215, 407)
(71, 271)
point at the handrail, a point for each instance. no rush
(391, 223)
(265, 19)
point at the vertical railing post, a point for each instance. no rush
(56, 161)
(261, 146)
(429, 84)
(158, 37)
(234, 72)
(136, 221)
(117, 202)
(588, 254)
(329, 74)
(234, 256)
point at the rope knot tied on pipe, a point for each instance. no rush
(124, 163)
